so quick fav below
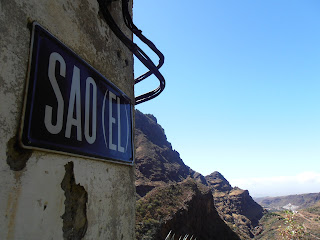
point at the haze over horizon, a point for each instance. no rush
(242, 89)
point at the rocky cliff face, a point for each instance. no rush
(158, 166)
(183, 208)
(235, 206)
(217, 182)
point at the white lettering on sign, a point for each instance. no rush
(92, 138)
(120, 148)
(73, 119)
(55, 129)
(75, 99)
(112, 121)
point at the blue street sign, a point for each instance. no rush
(71, 108)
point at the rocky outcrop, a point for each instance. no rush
(157, 164)
(235, 206)
(183, 208)
(148, 125)
(217, 182)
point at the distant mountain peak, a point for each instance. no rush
(217, 174)
(147, 124)
(217, 182)
(153, 118)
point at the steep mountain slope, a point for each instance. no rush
(235, 206)
(158, 166)
(183, 208)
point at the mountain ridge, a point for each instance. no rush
(158, 166)
(300, 200)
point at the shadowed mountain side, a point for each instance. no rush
(183, 208)
(157, 163)
(148, 125)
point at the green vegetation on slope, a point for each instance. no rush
(290, 225)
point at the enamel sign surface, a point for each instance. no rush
(71, 108)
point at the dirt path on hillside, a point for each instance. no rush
(310, 224)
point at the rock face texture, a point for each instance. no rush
(235, 206)
(183, 208)
(173, 197)
(157, 164)
(217, 182)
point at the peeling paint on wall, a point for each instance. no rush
(75, 221)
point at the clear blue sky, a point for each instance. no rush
(243, 87)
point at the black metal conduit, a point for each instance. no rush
(138, 52)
